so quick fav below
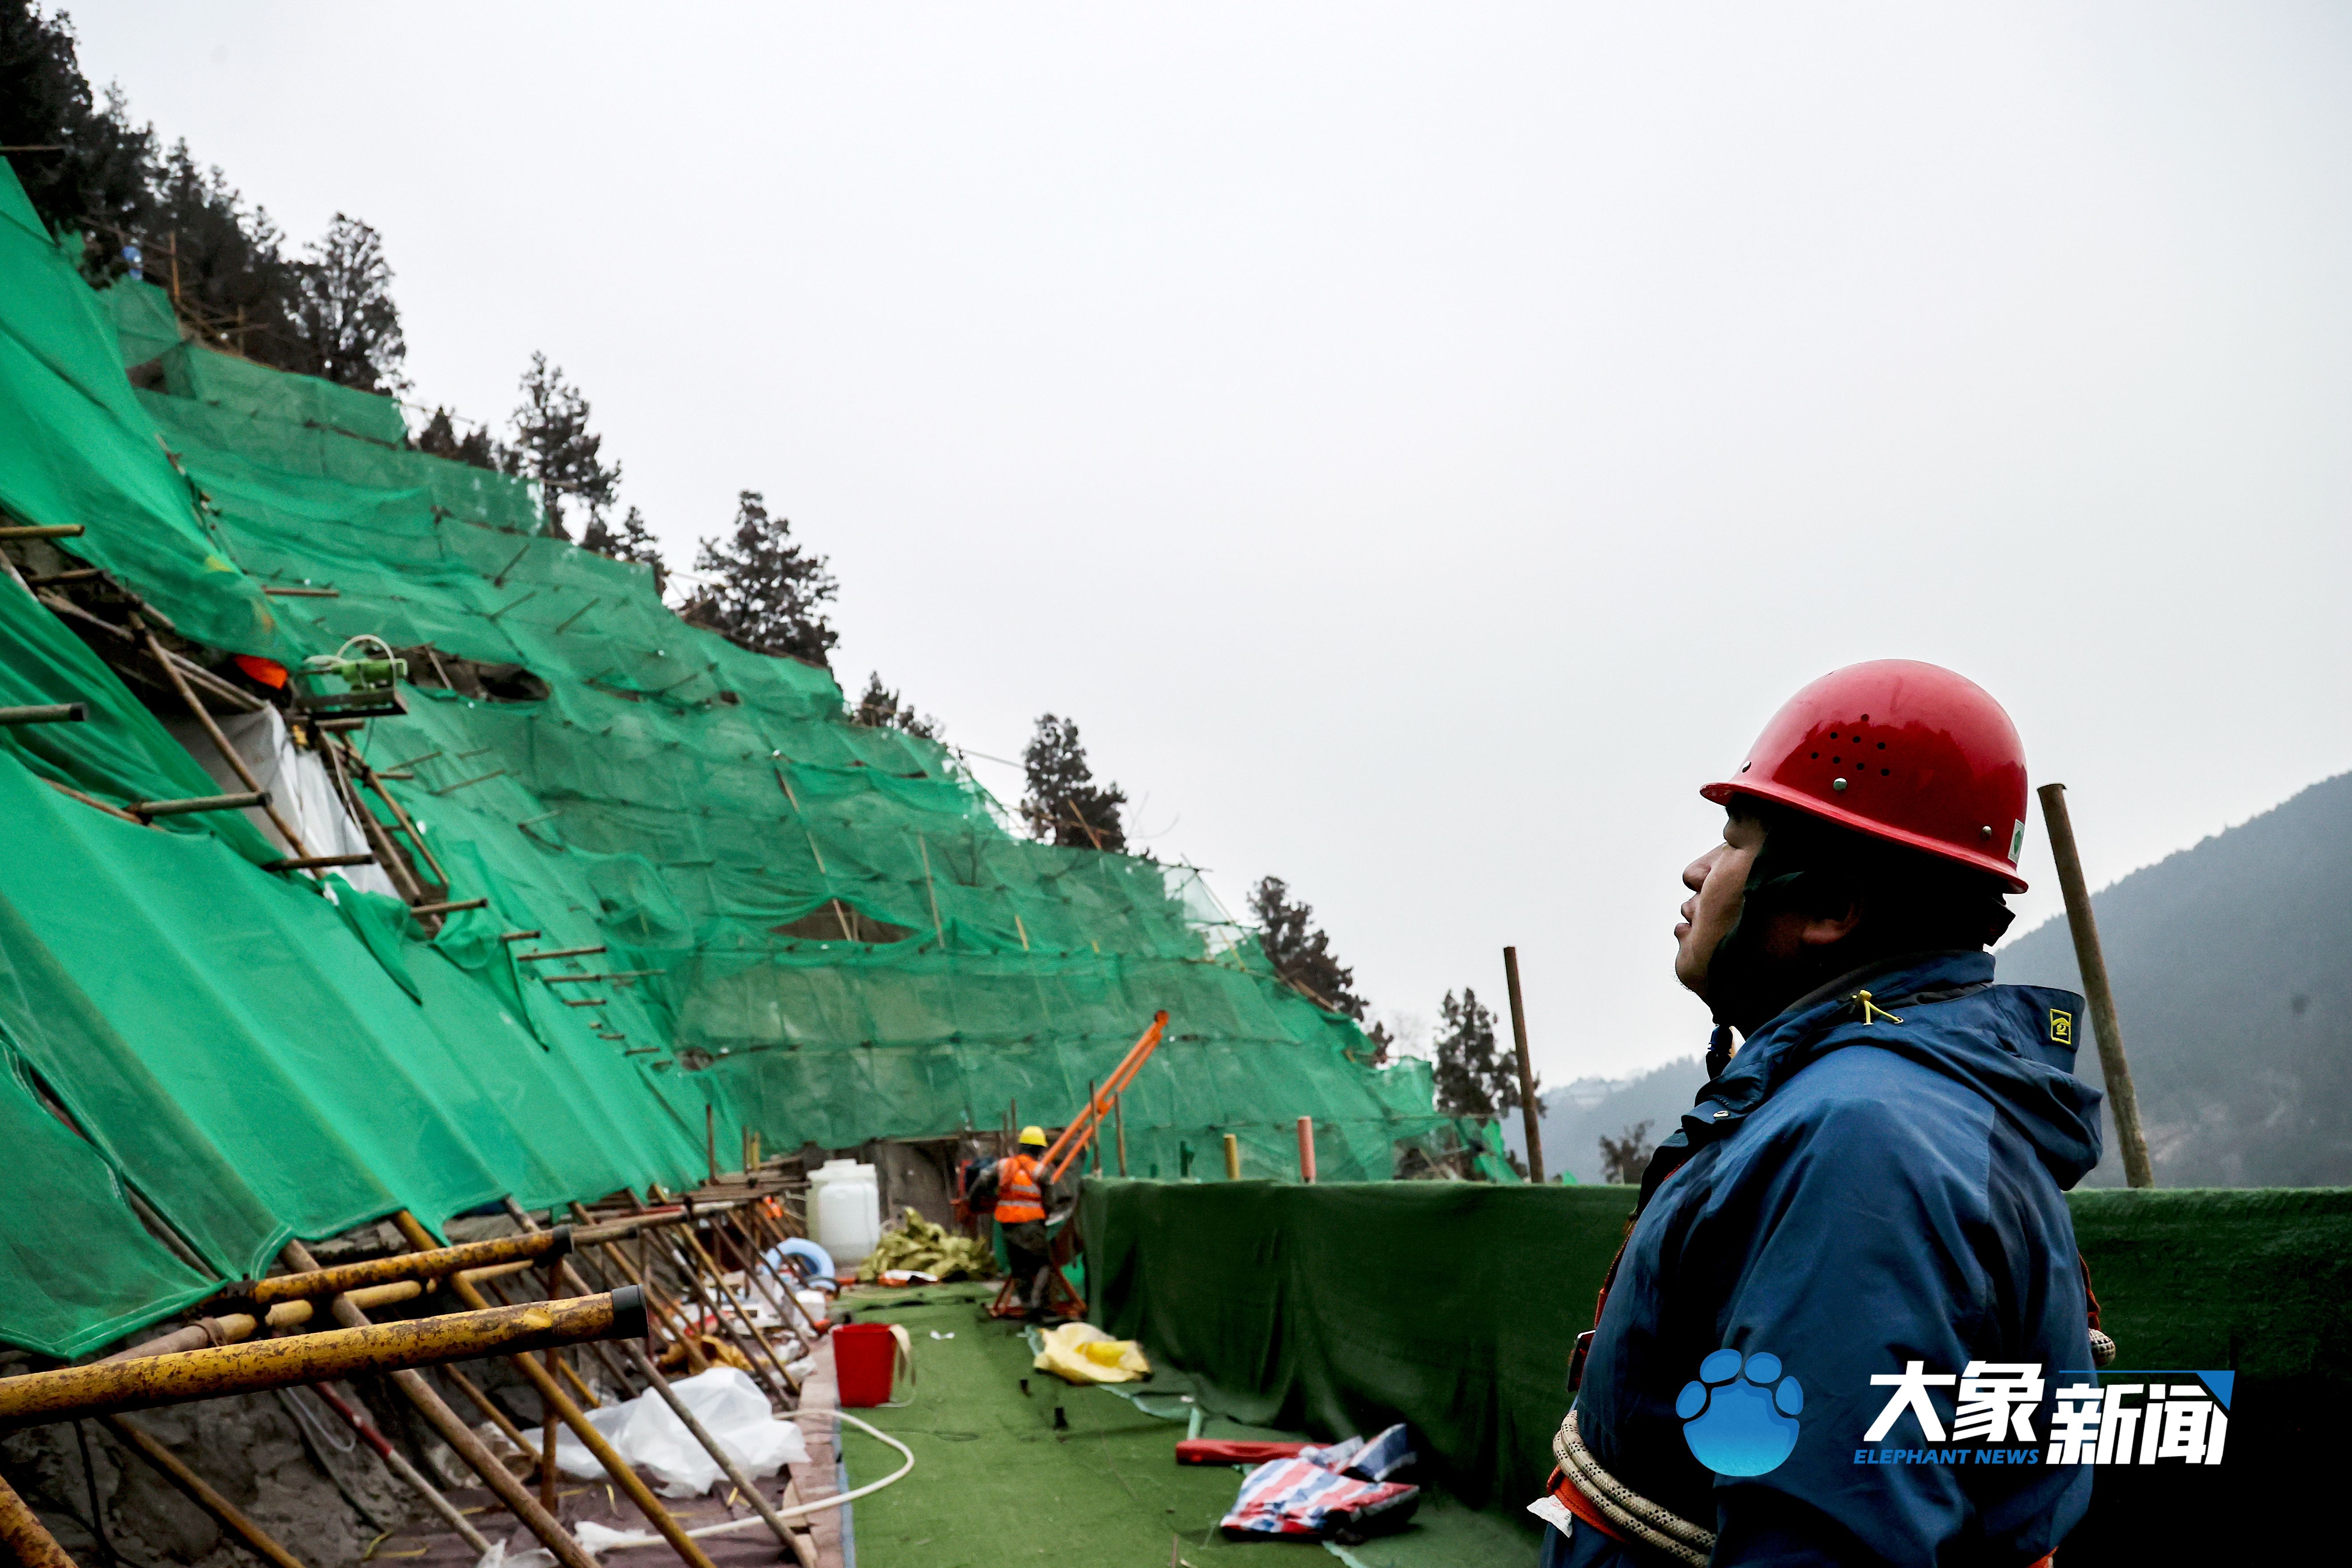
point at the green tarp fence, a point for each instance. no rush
(825, 933)
(1454, 1306)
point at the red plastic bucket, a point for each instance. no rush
(865, 1356)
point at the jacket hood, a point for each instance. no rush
(2014, 1044)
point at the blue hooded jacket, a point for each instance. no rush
(1857, 1196)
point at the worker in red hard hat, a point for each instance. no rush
(1018, 1188)
(1848, 1312)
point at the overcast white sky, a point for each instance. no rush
(1420, 445)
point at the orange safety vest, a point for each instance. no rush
(1017, 1197)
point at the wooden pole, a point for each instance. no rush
(1232, 1158)
(789, 1400)
(1532, 1118)
(660, 1518)
(2093, 964)
(1118, 1125)
(461, 1438)
(1307, 1149)
(220, 741)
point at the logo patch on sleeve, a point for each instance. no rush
(2062, 1027)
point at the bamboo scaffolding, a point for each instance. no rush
(229, 754)
(311, 1284)
(462, 1439)
(105, 1387)
(627, 1479)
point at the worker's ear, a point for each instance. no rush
(1827, 929)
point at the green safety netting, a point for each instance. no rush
(77, 450)
(1455, 1306)
(818, 930)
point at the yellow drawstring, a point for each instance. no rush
(1871, 1011)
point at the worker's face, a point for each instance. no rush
(1717, 881)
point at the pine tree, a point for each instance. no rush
(881, 708)
(476, 447)
(343, 311)
(101, 175)
(554, 445)
(1063, 802)
(230, 259)
(1301, 954)
(1472, 1077)
(768, 593)
(1623, 1159)
(633, 541)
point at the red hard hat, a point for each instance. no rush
(1903, 752)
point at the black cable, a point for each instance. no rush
(90, 1479)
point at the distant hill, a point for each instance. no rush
(1575, 1117)
(2232, 969)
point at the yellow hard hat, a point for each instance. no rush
(1035, 1135)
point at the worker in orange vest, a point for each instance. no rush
(1020, 1188)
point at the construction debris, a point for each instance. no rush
(917, 1245)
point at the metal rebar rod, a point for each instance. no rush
(103, 1388)
(769, 1227)
(201, 1492)
(593, 1440)
(462, 1438)
(46, 714)
(749, 1239)
(663, 1311)
(743, 1313)
(691, 1274)
(2091, 962)
(753, 1264)
(398, 1464)
(735, 1324)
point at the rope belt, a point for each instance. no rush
(1616, 1509)
(1625, 1512)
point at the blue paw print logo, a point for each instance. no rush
(1739, 1416)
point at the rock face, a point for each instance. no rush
(308, 1494)
(2228, 964)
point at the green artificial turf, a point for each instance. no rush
(995, 1483)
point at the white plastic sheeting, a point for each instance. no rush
(297, 783)
(649, 1435)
